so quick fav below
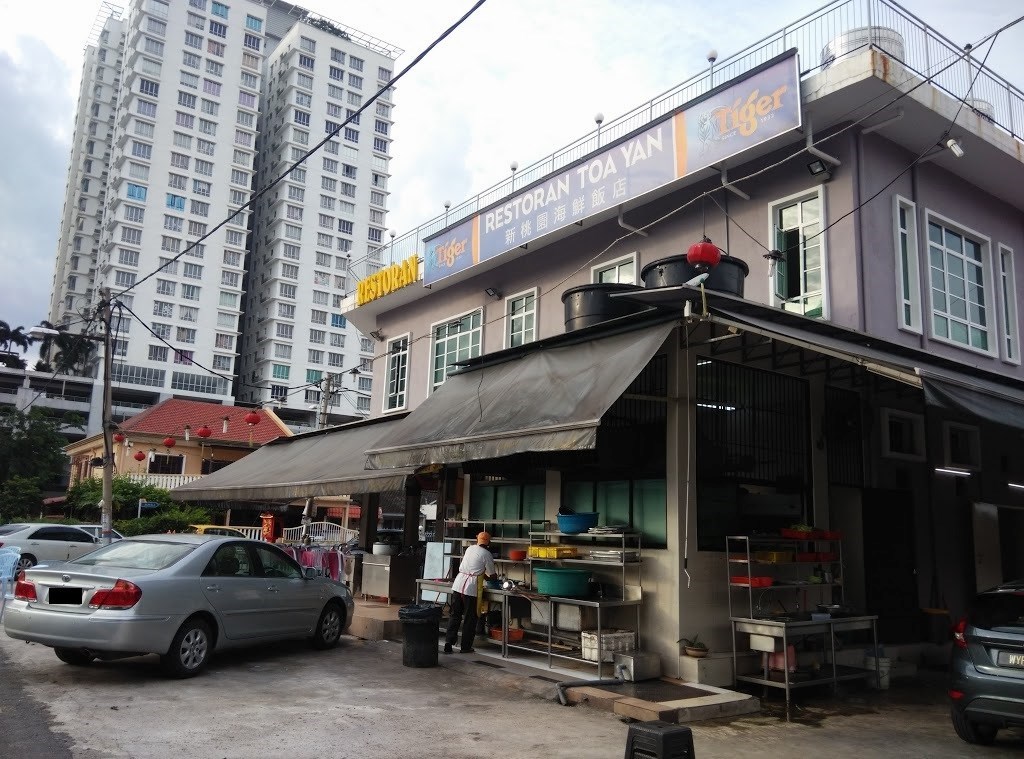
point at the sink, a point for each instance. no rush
(792, 617)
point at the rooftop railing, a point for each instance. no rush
(853, 24)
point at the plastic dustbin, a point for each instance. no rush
(420, 627)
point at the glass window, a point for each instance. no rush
(798, 236)
(520, 319)
(959, 297)
(397, 374)
(456, 340)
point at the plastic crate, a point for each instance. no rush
(553, 552)
(798, 534)
(808, 556)
(754, 582)
(513, 634)
(612, 642)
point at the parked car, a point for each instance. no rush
(96, 531)
(42, 542)
(179, 596)
(214, 529)
(987, 665)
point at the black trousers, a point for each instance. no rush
(464, 612)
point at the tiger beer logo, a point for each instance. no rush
(743, 117)
(388, 280)
(446, 253)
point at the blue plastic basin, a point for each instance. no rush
(577, 523)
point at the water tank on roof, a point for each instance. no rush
(982, 107)
(888, 40)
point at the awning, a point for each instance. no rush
(322, 463)
(549, 399)
(985, 400)
(945, 383)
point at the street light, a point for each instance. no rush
(107, 503)
(599, 120)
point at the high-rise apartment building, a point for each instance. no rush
(177, 98)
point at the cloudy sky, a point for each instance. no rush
(520, 79)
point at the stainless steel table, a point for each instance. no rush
(786, 629)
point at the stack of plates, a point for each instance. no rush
(611, 529)
(615, 556)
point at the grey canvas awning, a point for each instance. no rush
(322, 463)
(549, 399)
(945, 384)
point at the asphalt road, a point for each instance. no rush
(359, 702)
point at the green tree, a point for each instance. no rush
(19, 497)
(84, 497)
(32, 445)
(14, 336)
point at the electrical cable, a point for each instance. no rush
(251, 203)
(776, 164)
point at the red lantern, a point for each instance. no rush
(118, 437)
(703, 255)
(204, 431)
(252, 418)
(168, 442)
(139, 455)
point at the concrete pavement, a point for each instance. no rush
(358, 701)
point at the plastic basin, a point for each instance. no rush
(556, 581)
(577, 523)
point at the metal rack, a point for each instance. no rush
(741, 551)
(769, 632)
(629, 542)
(489, 525)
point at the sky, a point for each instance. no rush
(516, 82)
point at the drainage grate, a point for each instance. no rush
(487, 664)
(545, 679)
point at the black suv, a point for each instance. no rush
(987, 666)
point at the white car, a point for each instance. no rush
(41, 542)
(96, 530)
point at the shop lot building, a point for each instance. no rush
(852, 363)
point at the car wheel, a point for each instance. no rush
(27, 561)
(328, 628)
(76, 657)
(972, 732)
(189, 651)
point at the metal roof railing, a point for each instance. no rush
(839, 28)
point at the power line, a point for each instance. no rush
(710, 193)
(330, 135)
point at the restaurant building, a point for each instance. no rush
(851, 361)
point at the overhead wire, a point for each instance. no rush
(251, 203)
(928, 77)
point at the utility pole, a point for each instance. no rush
(325, 399)
(107, 508)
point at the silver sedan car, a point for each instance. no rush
(180, 596)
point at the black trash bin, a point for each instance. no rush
(420, 627)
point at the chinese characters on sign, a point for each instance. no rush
(751, 111)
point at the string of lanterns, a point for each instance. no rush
(251, 419)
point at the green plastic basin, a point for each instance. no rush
(555, 581)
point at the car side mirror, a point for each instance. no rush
(309, 572)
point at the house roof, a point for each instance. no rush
(170, 417)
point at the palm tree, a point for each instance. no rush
(48, 342)
(73, 353)
(16, 337)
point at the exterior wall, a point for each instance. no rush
(82, 216)
(935, 190)
(323, 228)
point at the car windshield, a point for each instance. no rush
(1001, 611)
(136, 554)
(7, 529)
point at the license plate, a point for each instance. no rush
(65, 596)
(1008, 659)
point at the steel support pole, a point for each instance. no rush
(107, 508)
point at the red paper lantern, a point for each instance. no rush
(118, 437)
(703, 255)
(252, 418)
(139, 455)
(204, 431)
(169, 442)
